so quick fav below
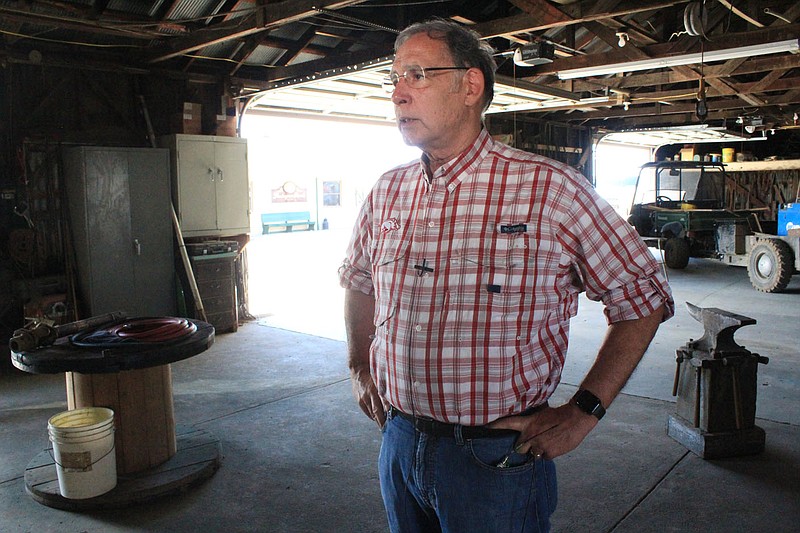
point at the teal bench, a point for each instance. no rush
(281, 222)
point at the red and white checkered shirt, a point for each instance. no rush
(476, 274)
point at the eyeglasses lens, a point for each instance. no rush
(414, 76)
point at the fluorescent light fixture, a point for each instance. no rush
(791, 45)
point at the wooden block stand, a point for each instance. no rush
(144, 421)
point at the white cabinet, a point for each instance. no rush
(210, 185)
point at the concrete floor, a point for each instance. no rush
(300, 457)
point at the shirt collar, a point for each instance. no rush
(455, 170)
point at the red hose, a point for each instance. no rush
(153, 329)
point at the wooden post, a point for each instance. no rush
(144, 415)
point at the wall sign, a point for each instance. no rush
(289, 192)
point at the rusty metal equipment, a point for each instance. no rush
(43, 332)
(715, 382)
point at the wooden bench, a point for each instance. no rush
(275, 222)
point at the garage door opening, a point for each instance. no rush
(319, 169)
(616, 170)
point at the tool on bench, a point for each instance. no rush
(42, 332)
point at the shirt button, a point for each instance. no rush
(418, 327)
(451, 187)
(431, 224)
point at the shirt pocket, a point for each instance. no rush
(498, 262)
(389, 266)
(491, 306)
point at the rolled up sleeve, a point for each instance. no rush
(615, 265)
(355, 272)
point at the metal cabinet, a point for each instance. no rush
(121, 226)
(210, 186)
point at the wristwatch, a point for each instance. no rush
(589, 403)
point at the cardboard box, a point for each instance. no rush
(226, 119)
(189, 121)
(227, 127)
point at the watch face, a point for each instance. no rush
(589, 403)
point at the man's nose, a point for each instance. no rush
(400, 94)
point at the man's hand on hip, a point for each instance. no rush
(551, 432)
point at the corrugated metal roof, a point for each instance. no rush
(264, 55)
(190, 9)
(131, 7)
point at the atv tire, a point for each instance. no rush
(770, 265)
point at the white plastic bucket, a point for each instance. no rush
(83, 450)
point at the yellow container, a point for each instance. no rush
(728, 155)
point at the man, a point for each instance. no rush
(462, 274)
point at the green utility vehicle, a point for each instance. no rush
(681, 207)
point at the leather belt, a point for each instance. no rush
(435, 428)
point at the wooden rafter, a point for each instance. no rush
(271, 16)
(527, 23)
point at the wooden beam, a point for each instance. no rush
(272, 15)
(244, 51)
(717, 105)
(86, 26)
(766, 81)
(293, 50)
(528, 23)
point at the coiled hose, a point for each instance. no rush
(133, 331)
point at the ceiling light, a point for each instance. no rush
(791, 45)
(623, 38)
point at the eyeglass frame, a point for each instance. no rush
(390, 82)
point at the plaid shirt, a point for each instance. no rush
(476, 274)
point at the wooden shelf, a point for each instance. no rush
(755, 166)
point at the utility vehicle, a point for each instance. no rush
(682, 208)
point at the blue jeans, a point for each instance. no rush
(453, 485)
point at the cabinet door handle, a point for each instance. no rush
(219, 174)
(211, 173)
(137, 246)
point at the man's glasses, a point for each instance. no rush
(416, 77)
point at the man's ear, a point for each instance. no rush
(474, 82)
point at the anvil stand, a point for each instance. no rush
(716, 386)
(155, 458)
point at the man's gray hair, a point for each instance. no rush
(465, 46)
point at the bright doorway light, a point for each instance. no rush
(616, 169)
(292, 277)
